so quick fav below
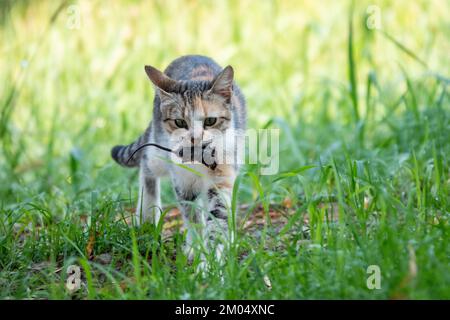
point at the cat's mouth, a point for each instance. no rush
(205, 154)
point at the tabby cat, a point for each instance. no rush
(196, 102)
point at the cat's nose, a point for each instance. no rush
(196, 141)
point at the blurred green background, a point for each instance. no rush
(362, 84)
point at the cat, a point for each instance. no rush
(196, 101)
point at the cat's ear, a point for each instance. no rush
(163, 83)
(223, 83)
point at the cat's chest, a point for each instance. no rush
(195, 178)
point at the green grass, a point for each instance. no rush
(365, 130)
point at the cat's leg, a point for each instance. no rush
(219, 207)
(149, 203)
(190, 215)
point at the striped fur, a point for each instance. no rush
(122, 154)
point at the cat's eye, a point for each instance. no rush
(210, 121)
(181, 123)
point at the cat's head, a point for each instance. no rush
(195, 111)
